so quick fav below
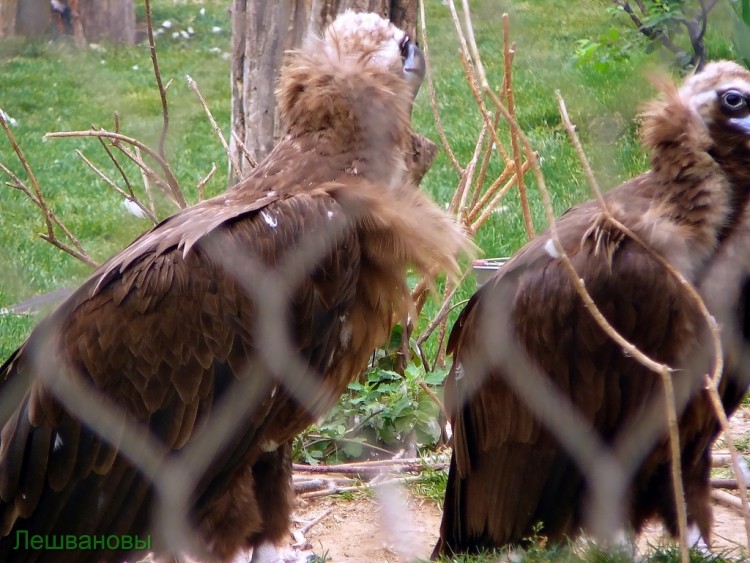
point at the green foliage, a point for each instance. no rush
(431, 485)
(539, 551)
(384, 411)
(319, 558)
(677, 25)
(608, 49)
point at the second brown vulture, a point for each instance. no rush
(274, 294)
(525, 348)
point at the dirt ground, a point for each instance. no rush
(354, 531)
(399, 527)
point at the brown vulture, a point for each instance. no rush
(547, 411)
(273, 295)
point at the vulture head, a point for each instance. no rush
(380, 42)
(343, 83)
(702, 127)
(720, 94)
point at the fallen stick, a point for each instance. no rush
(724, 484)
(300, 541)
(335, 490)
(400, 466)
(727, 500)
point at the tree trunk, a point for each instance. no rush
(261, 32)
(108, 20)
(32, 17)
(85, 20)
(8, 9)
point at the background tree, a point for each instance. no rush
(85, 20)
(677, 26)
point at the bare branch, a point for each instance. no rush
(433, 96)
(128, 196)
(217, 129)
(157, 74)
(172, 185)
(245, 153)
(50, 219)
(146, 183)
(204, 181)
(508, 83)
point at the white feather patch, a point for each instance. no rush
(270, 220)
(549, 248)
(58, 443)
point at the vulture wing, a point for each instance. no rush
(508, 472)
(164, 329)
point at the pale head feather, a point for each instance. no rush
(354, 34)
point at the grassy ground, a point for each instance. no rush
(54, 87)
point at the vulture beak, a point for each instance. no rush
(741, 124)
(414, 67)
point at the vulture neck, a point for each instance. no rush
(689, 186)
(368, 146)
(734, 158)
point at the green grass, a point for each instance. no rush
(588, 552)
(55, 87)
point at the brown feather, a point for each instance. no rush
(509, 470)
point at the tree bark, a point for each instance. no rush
(261, 32)
(8, 9)
(110, 20)
(87, 20)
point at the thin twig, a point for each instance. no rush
(157, 74)
(508, 57)
(117, 164)
(307, 527)
(507, 173)
(204, 181)
(245, 152)
(107, 180)
(468, 177)
(445, 308)
(480, 221)
(217, 129)
(360, 488)
(482, 176)
(473, 45)
(414, 465)
(137, 158)
(435, 399)
(433, 95)
(77, 251)
(29, 172)
(171, 182)
(146, 183)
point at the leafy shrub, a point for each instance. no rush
(383, 411)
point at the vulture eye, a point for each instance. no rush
(404, 46)
(733, 101)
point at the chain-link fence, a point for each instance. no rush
(154, 410)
